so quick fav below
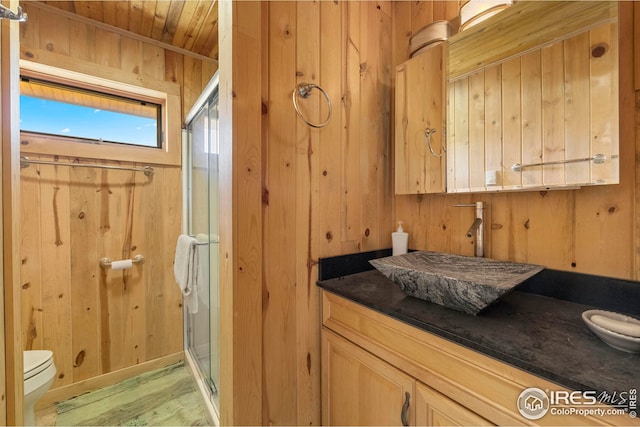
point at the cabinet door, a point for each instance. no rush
(359, 389)
(435, 409)
(420, 159)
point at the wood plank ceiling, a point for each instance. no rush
(187, 24)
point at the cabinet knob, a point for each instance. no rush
(405, 409)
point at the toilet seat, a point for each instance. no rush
(36, 361)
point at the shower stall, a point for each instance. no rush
(200, 211)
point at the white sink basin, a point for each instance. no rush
(467, 284)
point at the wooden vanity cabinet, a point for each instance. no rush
(371, 360)
(420, 158)
(435, 409)
(362, 389)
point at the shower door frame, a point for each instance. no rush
(206, 384)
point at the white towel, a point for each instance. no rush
(185, 268)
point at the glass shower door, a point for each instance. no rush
(202, 323)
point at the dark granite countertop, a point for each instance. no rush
(535, 332)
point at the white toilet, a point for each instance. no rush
(39, 372)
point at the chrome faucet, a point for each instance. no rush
(477, 227)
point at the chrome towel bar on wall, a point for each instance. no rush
(597, 159)
(304, 91)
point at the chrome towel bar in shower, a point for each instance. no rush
(304, 91)
(25, 162)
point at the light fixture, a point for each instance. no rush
(473, 12)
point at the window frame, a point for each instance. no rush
(163, 93)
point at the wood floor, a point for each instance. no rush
(168, 396)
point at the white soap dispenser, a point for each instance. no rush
(400, 240)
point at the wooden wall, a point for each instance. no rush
(11, 363)
(329, 191)
(97, 320)
(241, 188)
(590, 230)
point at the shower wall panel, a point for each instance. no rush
(97, 320)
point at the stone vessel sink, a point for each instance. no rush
(467, 284)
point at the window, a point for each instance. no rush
(83, 115)
(100, 90)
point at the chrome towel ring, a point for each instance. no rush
(304, 91)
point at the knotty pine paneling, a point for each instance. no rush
(95, 320)
(327, 191)
(98, 320)
(591, 230)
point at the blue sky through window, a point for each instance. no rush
(58, 118)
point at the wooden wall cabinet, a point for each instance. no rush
(419, 110)
(549, 107)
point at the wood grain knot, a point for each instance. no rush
(79, 359)
(329, 236)
(612, 210)
(367, 232)
(599, 50)
(81, 215)
(50, 47)
(526, 224)
(324, 173)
